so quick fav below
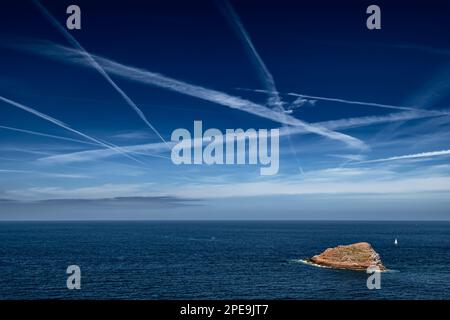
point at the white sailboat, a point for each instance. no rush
(395, 241)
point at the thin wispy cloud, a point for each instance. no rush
(132, 135)
(73, 56)
(149, 201)
(411, 156)
(46, 174)
(91, 60)
(433, 90)
(98, 154)
(46, 135)
(432, 132)
(28, 151)
(354, 122)
(350, 157)
(107, 190)
(331, 181)
(67, 127)
(356, 184)
(430, 93)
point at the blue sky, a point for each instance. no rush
(380, 100)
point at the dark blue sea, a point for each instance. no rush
(218, 260)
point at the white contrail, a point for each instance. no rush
(40, 134)
(356, 122)
(90, 155)
(65, 126)
(411, 156)
(237, 26)
(371, 120)
(143, 76)
(353, 102)
(160, 147)
(264, 73)
(94, 64)
(362, 103)
(47, 135)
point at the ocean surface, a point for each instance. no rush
(218, 260)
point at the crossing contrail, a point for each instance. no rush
(47, 135)
(339, 100)
(410, 156)
(130, 73)
(67, 127)
(40, 134)
(161, 147)
(94, 64)
(264, 74)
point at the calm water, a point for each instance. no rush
(218, 260)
